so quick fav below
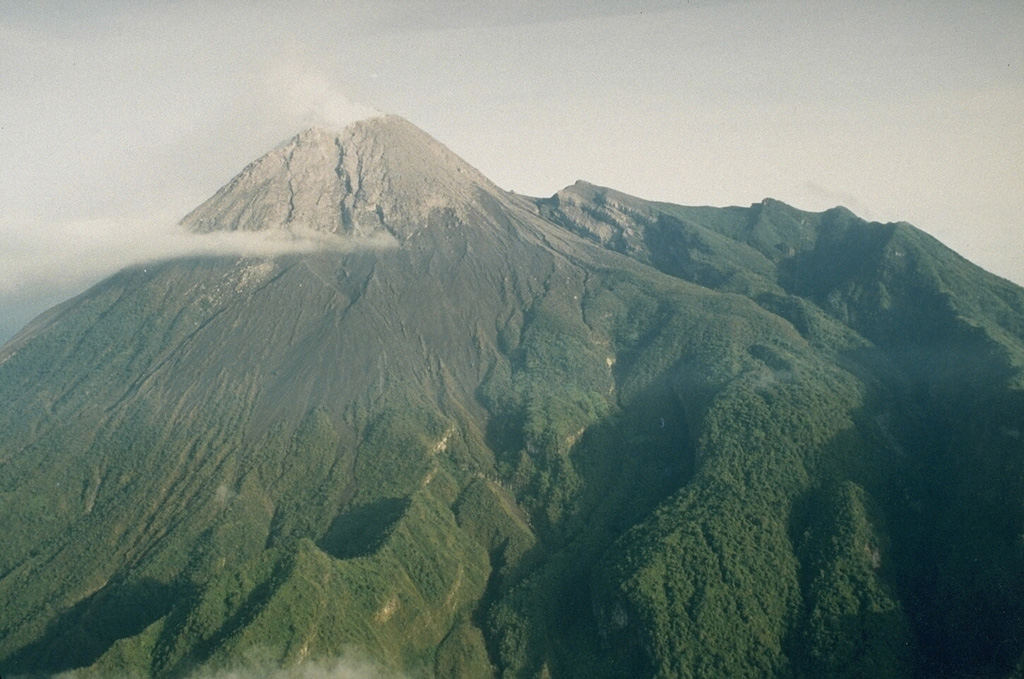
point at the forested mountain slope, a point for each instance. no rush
(476, 434)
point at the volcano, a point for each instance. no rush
(481, 434)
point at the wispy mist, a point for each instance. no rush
(350, 666)
(47, 263)
(304, 95)
(73, 253)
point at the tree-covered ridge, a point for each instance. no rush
(585, 436)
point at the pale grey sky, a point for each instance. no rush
(118, 117)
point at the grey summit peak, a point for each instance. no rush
(379, 173)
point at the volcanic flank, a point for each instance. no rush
(581, 436)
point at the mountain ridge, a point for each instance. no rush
(584, 435)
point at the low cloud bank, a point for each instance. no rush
(62, 255)
(342, 668)
(46, 263)
(347, 667)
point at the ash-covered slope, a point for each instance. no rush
(587, 435)
(380, 174)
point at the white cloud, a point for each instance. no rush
(337, 669)
(72, 254)
(350, 666)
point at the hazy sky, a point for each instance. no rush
(118, 117)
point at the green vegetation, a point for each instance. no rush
(853, 625)
(602, 438)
